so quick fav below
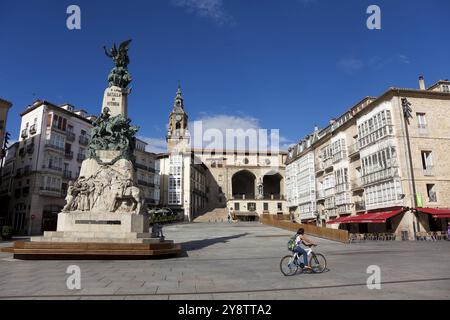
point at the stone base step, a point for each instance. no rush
(90, 236)
(92, 251)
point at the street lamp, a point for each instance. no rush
(407, 114)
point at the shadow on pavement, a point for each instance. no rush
(200, 244)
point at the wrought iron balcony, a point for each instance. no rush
(81, 157)
(51, 145)
(84, 141)
(52, 167)
(70, 136)
(24, 133)
(33, 129)
(68, 154)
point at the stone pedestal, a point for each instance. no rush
(115, 99)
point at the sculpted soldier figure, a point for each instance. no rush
(72, 193)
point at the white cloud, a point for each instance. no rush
(350, 65)
(155, 145)
(212, 9)
(219, 124)
(403, 59)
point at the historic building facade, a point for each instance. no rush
(380, 167)
(210, 185)
(147, 174)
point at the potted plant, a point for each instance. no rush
(7, 232)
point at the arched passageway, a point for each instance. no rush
(243, 185)
(272, 186)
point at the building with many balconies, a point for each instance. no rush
(51, 147)
(379, 167)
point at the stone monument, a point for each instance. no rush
(104, 205)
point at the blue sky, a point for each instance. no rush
(284, 65)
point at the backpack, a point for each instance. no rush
(291, 243)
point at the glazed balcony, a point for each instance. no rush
(381, 175)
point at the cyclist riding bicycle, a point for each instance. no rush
(301, 238)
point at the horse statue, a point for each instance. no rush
(128, 193)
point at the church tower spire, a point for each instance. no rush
(178, 122)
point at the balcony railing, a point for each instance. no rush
(52, 190)
(24, 133)
(67, 174)
(385, 174)
(307, 216)
(141, 166)
(428, 171)
(68, 154)
(51, 145)
(70, 136)
(84, 141)
(342, 187)
(52, 167)
(329, 192)
(55, 126)
(142, 182)
(81, 157)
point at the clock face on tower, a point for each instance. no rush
(178, 118)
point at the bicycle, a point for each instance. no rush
(289, 265)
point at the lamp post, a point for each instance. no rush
(407, 114)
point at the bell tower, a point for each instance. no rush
(178, 137)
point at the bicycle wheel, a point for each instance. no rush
(318, 263)
(287, 266)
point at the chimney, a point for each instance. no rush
(422, 83)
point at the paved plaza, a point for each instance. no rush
(239, 262)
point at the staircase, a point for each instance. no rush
(216, 215)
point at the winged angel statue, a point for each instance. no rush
(119, 75)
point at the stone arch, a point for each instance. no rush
(243, 184)
(273, 185)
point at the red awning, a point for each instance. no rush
(437, 213)
(377, 217)
(338, 220)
